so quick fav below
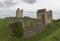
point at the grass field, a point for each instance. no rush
(52, 34)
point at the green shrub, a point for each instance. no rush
(17, 29)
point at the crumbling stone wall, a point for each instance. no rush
(31, 26)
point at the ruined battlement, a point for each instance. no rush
(41, 10)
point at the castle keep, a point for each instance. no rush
(45, 16)
(33, 26)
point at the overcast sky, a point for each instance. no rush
(8, 7)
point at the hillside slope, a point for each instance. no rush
(55, 36)
(52, 34)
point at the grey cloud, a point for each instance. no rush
(1, 4)
(29, 1)
(8, 3)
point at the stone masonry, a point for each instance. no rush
(19, 13)
(33, 26)
(45, 16)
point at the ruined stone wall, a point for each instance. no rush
(31, 26)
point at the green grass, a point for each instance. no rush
(55, 36)
(52, 34)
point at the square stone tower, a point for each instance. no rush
(41, 15)
(45, 16)
(19, 13)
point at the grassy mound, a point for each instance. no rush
(52, 34)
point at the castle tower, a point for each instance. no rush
(40, 13)
(45, 16)
(48, 17)
(19, 13)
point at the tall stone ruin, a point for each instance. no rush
(19, 13)
(33, 26)
(45, 16)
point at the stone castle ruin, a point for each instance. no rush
(45, 16)
(33, 26)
